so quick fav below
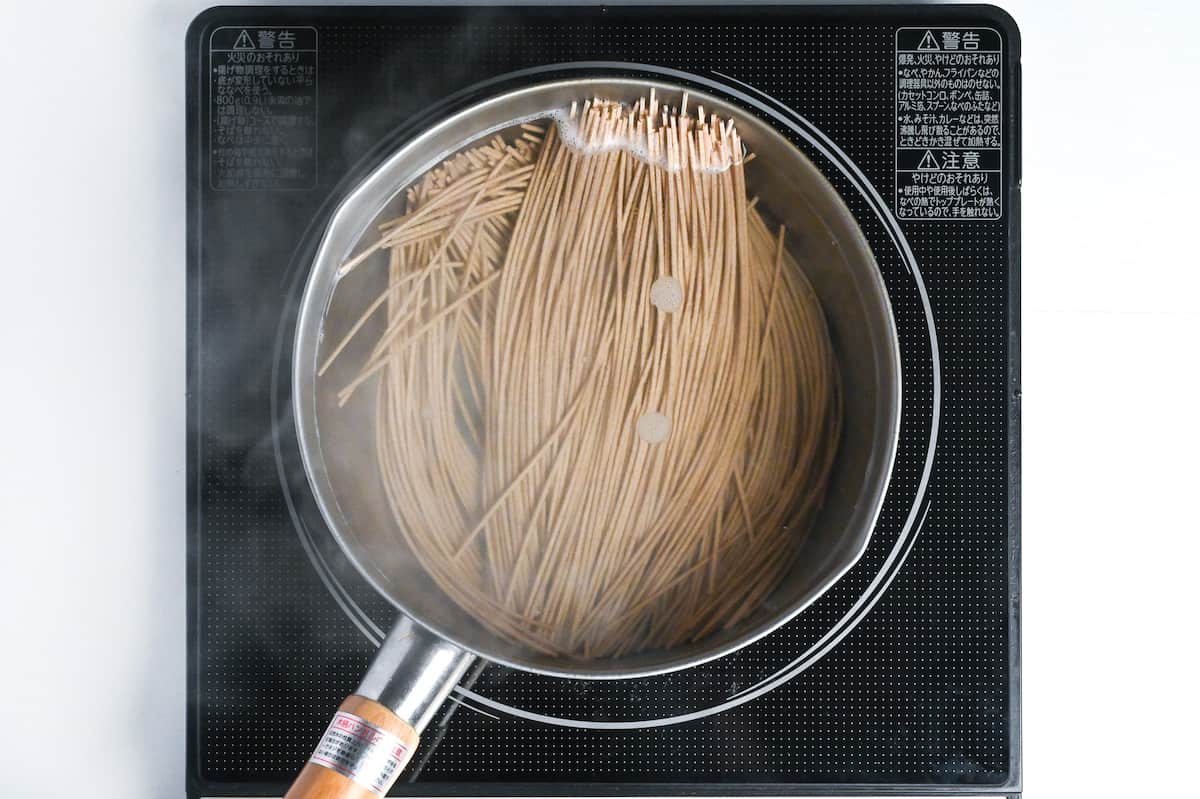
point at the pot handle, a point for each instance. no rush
(376, 730)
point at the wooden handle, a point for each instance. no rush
(363, 751)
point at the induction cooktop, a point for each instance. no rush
(903, 678)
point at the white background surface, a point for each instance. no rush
(92, 407)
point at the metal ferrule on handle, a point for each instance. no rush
(376, 730)
(413, 672)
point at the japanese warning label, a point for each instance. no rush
(263, 108)
(948, 123)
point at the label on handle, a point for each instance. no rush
(361, 751)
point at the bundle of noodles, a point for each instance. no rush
(607, 406)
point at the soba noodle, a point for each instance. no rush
(606, 401)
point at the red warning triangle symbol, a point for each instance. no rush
(243, 42)
(928, 42)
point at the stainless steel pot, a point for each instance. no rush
(434, 641)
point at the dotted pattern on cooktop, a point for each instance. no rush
(918, 694)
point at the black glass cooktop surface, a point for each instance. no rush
(903, 677)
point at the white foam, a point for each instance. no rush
(654, 427)
(666, 294)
